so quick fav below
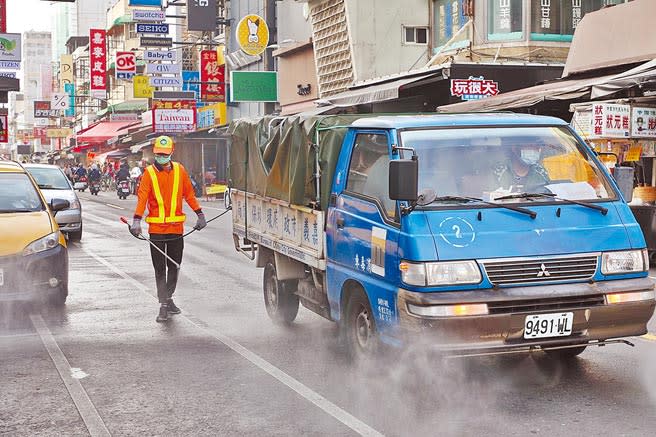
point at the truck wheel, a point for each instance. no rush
(565, 354)
(359, 327)
(280, 301)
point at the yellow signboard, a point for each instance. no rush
(65, 70)
(59, 133)
(212, 115)
(253, 34)
(141, 87)
(633, 154)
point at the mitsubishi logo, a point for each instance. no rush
(543, 271)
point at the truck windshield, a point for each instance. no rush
(494, 162)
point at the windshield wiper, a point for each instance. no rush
(533, 214)
(601, 209)
(45, 186)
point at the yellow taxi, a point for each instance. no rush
(33, 253)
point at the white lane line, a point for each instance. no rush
(114, 206)
(85, 407)
(315, 398)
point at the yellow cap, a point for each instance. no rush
(163, 144)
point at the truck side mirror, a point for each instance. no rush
(404, 179)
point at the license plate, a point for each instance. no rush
(548, 325)
(2, 277)
(125, 190)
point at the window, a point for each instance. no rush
(448, 18)
(369, 169)
(415, 35)
(505, 20)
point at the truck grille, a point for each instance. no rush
(550, 304)
(529, 270)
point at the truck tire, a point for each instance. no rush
(565, 354)
(279, 298)
(359, 327)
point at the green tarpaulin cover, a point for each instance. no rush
(275, 157)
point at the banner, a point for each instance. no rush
(126, 65)
(65, 70)
(643, 122)
(174, 116)
(98, 62)
(10, 47)
(611, 121)
(69, 89)
(201, 15)
(211, 71)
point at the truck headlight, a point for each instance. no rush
(626, 261)
(50, 241)
(472, 309)
(440, 273)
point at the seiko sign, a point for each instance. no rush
(159, 55)
(148, 15)
(152, 28)
(163, 69)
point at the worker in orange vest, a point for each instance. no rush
(163, 186)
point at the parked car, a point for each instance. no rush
(53, 183)
(33, 252)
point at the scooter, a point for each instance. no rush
(94, 187)
(81, 184)
(123, 189)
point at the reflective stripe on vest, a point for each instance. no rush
(161, 217)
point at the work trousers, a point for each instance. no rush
(166, 273)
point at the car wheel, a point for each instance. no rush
(75, 236)
(565, 354)
(279, 298)
(359, 327)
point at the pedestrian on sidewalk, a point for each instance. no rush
(162, 188)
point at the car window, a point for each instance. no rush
(49, 178)
(18, 194)
(369, 169)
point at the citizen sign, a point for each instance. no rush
(156, 55)
(152, 28)
(166, 81)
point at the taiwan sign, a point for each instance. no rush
(126, 65)
(253, 34)
(201, 15)
(98, 62)
(174, 116)
(643, 122)
(10, 47)
(474, 88)
(211, 71)
(152, 28)
(611, 121)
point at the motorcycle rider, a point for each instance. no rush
(123, 173)
(94, 174)
(80, 172)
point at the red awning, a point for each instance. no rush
(104, 131)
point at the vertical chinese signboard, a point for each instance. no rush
(98, 62)
(211, 71)
(4, 129)
(611, 121)
(3, 16)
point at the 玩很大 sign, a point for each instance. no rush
(474, 88)
(160, 55)
(98, 62)
(201, 15)
(10, 47)
(174, 116)
(159, 81)
(152, 28)
(125, 65)
(214, 73)
(212, 115)
(141, 87)
(149, 41)
(148, 15)
(253, 34)
(153, 3)
(253, 86)
(611, 120)
(175, 69)
(643, 122)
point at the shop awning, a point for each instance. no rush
(103, 132)
(643, 76)
(129, 106)
(377, 92)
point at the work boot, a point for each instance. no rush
(173, 309)
(163, 315)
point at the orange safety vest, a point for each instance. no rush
(175, 213)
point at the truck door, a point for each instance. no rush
(363, 227)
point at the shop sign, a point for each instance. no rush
(42, 109)
(154, 3)
(610, 120)
(211, 71)
(253, 86)
(148, 15)
(474, 88)
(582, 123)
(162, 29)
(125, 65)
(212, 115)
(59, 133)
(3, 16)
(10, 47)
(141, 87)
(124, 117)
(4, 129)
(65, 70)
(175, 82)
(39, 133)
(175, 69)
(10, 65)
(253, 34)
(149, 41)
(643, 122)
(59, 101)
(160, 55)
(10, 74)
(98, 62)
(201, 15)
(174, 116)
(190, 82)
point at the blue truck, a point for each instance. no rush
(470, 233)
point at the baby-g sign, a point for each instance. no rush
(253, 34)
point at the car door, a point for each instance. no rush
(364, 227)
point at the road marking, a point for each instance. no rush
(315, 398)
(114, 206)
(650, 337)
(85, 407)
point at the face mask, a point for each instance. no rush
(163, 160)
(530, 156)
